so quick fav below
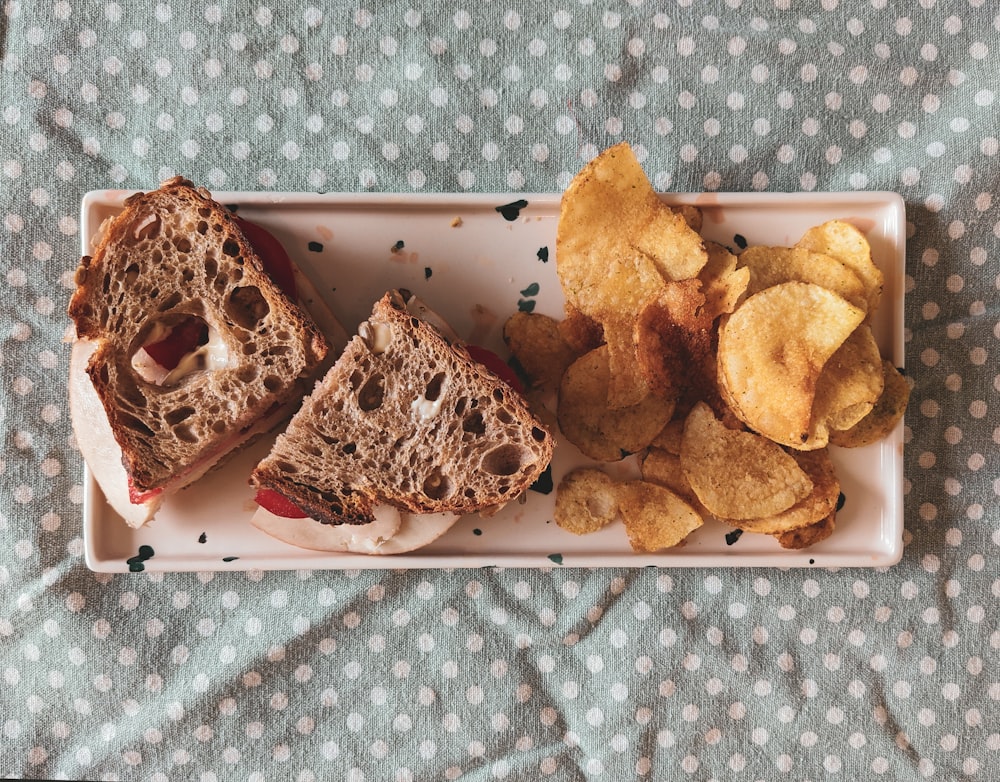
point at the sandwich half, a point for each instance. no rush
(404, 434)
(185, 347)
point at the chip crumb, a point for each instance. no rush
(456, 222)
(586, 501)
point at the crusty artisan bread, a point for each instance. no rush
(174, 254)
(405, 419)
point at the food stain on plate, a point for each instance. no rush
(398, 253)
(710, 207)
(483, 321)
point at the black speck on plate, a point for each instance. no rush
(136, 564)
(315, 247)
(543, 484)
(512, 211)
(543, 254)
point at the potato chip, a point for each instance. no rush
(884, 416)
(723, 282)
(586, 420)
(655, 518)
(849, 385)
(664, 469)
(669, 439)
(738, 475)
(581, 332)
(692, 215)
(772, 350)
(535, 342)
(617, 242)
(586, 501)
(773, 265)
(674, 341)
(848, 245)
(804, 537)
(815, 506)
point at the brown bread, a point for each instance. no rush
(171, 256)
(406, 419)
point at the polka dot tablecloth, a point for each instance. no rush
(484, 674)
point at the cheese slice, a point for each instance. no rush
(392, 532)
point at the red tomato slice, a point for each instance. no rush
(189, 335)
(183, 338)
(278, 504)
(496, 365)
(276, 262)
(137, 497)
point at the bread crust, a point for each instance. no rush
(406, 419)
(174, 254)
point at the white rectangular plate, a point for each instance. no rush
(475, 266)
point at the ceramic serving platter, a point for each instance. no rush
(476, 259)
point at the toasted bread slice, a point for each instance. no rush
(405, 419)
(174, 257)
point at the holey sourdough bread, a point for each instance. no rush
(405, 419)
(172, 258)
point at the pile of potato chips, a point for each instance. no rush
(727, 375)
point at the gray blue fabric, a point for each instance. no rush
(506, 674)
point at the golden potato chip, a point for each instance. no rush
(586, 500)
(692, 215)
(849, 385)
(655, 518)
(815, 506)
(535, 342)
(772, 350)
(723, 282)
(617, 242)
(581, 332)
(674, 341)
(738, 475)
(669, 439)
(586, 420)
(848, 245)
(627, 385)
(664, 469)
(884, 416)
(773, 265)
(804, 537)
